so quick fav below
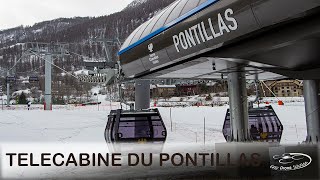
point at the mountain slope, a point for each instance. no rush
(80, 28)
(78, 31)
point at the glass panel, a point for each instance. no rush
(201, 2)
(268, 123)
(189, 6)
(129, 39)
(274, 124)
(177, 9)
(150, 26)
(126, 132)
(254, 130)
(164, 17)
(122, 119)
(158, 129)
(155, 118)
(142, 129)
(139, 33)
(134, 130)
(176, 12)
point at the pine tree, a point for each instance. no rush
(22, 98)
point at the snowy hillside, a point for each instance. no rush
(136, 3)
(78, 31)
(22, 34)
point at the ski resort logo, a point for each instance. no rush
(291, 162)
(153, 57)
(150, 47)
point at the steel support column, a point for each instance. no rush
(142, 94)
(312, 107)
(48, 75)
(238, 105)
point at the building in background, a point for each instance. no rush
(284, 88)
(163, 90)
(187, 89)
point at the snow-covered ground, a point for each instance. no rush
(74, 124)
(80, 129)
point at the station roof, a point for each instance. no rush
(165, 19)
(270, 39)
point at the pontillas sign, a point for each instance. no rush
(198, 34)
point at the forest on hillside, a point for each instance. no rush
(79, 31)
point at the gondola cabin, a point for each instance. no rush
(135, 126)
(264, 125)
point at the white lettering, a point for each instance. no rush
(212, 29)
(231, 19)
(200, 32)
(191, 37)
(205, 32)
(176, 42)
(194, 28)
(222, 25)
(183, 40)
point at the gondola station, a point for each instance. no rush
(237, 40)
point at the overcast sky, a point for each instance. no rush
(27, 12)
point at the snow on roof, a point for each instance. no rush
(211, 83)
(26, 91)
(165, 86)
(96, 89)
(82, 72)
(153, 86)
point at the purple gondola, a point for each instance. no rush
(135, 126)
(264, 125)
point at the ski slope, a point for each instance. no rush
(70, 124)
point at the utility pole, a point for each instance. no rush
(1, 94)
(48, 50)
(48, 76)
(8, 90)
(98, 102)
